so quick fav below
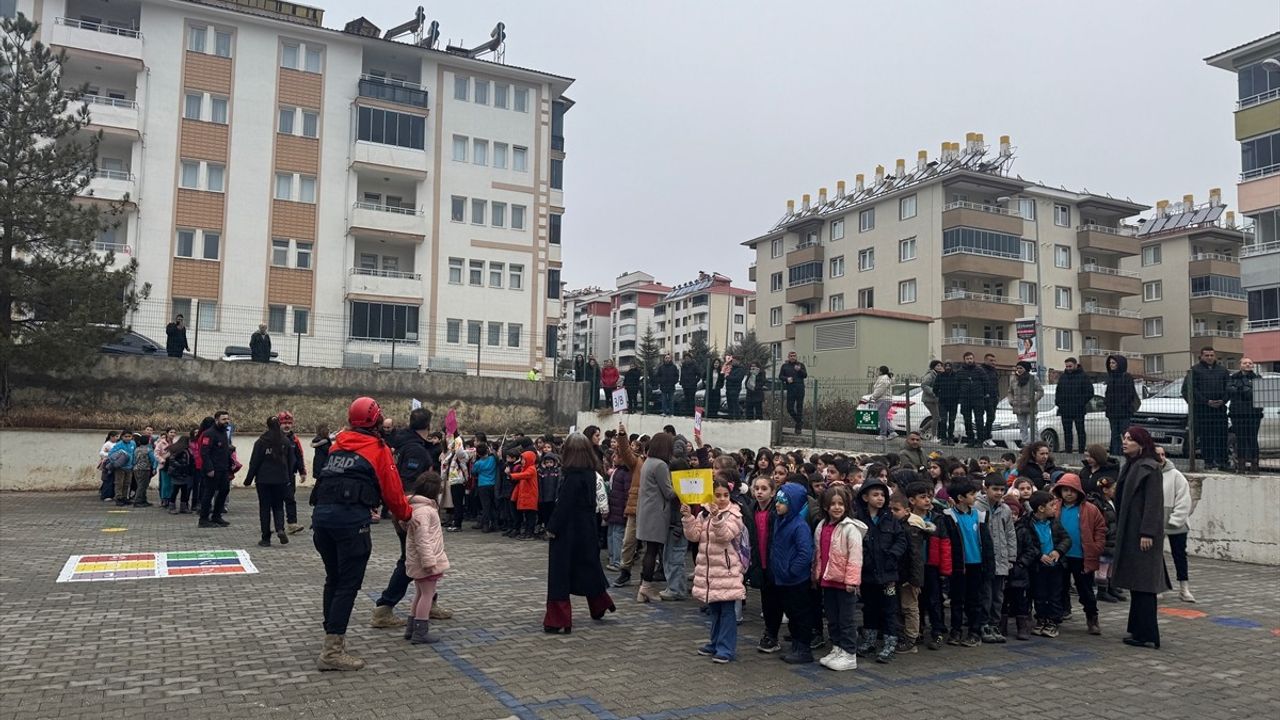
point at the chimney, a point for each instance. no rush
(839, 188)
(791, 207)
(879, 175)
(900, 168)
(922, 159)
(1215, 197)
(1188, 202)
(1005, 150)
(970, 141)
(857, 183)
(804, 201)
(946, 150)
(822, 196)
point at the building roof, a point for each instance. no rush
(1225, 59)
(645, 287)
(856, 312)
(713, 283)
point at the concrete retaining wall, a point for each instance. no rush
(1236, 518)
(49, 459)
(727, 434)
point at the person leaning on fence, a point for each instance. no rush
(1205, 390)
(1246, 415)
(1121, 400)
(928, 394)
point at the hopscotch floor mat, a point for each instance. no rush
(145, 565)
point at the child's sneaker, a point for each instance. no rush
(835, 652)
(721, 660)
(908, 646)
(989, 635)
(706, 651)
(935, 642)
(955, 637)
(613, 567)
(1039, 627)
(971, 640)
(768, 644)
(1050, 630)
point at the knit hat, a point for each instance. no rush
(1024, 365)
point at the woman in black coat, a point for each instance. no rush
(1139, 555)
(573, 563)
(272, 466)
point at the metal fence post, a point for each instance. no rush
(813, 433)
(195, 349)
(907, 406)
(298, 358)
(478, 358)
(1189, 393)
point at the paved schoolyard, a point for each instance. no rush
(240, 646)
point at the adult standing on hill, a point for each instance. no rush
(666, 377)
(260, 345)
(631, 383)
(175, 338)
(1246, 415)
(689, 377)
(971, 381)
(1205, 390)
(609, 378)
(929, 395)
(1121, 400)
(792, 376)
(591, 375)
(990, 397)
(734, 375)
(1072, 397)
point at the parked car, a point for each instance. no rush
(1164, 415)
(917, 417)
(135, 343)
(240, 353)
(1004, 431)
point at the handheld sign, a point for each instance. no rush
(619, 401)
(697, 419)
(693, 487)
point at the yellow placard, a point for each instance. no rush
(693, 486)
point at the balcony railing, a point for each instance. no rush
(103, 100)
(1107, 229)
(955, 294)
(1206, 332)
(114, 247)
(396, 209)
(1110, 312)
(391, 90)
(98, 27)
(395, 274)
(1218, 293)
(105, 174)
(960, 250)
(1103, 352)
(1109, 271)
(1213, 256)
(1258, 325)
(1256, 173)
(1257, 99)
(985, 342)
(1259, 249)
(965, 205)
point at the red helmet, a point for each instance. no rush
(285, 417)
(364, 413)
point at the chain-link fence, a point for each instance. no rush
(720, 395)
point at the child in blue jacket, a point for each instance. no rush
(791, 562)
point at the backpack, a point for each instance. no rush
(117, 459)
(742, 544)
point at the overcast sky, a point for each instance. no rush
(696, 121)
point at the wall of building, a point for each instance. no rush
(900, 344)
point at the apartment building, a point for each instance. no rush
(1189, 273)
(709, 306)
(590, 333)
(964, 241)
(631, 308)
(353, 189)
(1256, 65)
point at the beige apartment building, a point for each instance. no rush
(709, 305)
(963, 240)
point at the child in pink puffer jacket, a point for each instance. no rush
(718, 571)
(424, 558)
(837, 570)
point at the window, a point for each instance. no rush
(1062, 215)
(1154, 363)
(474, 328)
(388, 127)
(211, 242)
(520, 159)
(1259, 156)
(482, 92)
(866, 259)
(499, 216)
(207, 315)
(301, 321)
(1152, 291)
(475, 273)
(496, 271)
(1062, 340)
(553, 283)
(455, 271)
(557, 174)
(1027, 292)
(907, 207)
(284, 186)
(1062, 297)
(867, 298)
(803, 274)
(458, 209)
(1151, 255)
(286, 120)
(302, 255)
(515, 276)
(500, 155)
(495, 328)
(514, 330)
(1061, 256)
(907, 249)
(907, 292)
(478, 211)
(289, 56)
(835, 303)
(837, 266)
(480, 151)
(190, 177)
(460, 148)
(1027, 208)
(775, 282)
(383, 321)
(186, 243)
(461, 87)
(837, 230)
(275, 318)
(1153, 327)
(867, 220)
(775, 248)
(517, 217)
(218, 110)
(196, 39)
(191, 106)
(775, 316)
(280, 253)
(310, 123)
(213, 177)
(222, 44)
(1264, 305)
(1027, 250)
(500, 92)
(521, 100)
(312, 60)
(553, 228)
(453, 331)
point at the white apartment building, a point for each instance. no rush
(709, 306)
(589, 332)
(965, 241)
(631, 313)
(353, 192)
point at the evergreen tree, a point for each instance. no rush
(751, 350)
(701, 353)
(649, 351)
(59, 298)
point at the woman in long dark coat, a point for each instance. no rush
(573, 563)
(1139, 554)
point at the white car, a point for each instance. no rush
(920, 418)
(1164, 415)
(1004, 431)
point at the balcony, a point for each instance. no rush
(975, 261)
(1105, 239)
(1224, 341)
(1257, 114)
(1259, 249)
(384, 283)
(1218, 302)
(1213, 264)
(102, 38)
(1258, 192)
(110, 185)
(402, 161)
(110, 114)
(751, 273)
(391, 90)
(1094, 360)
(982, 217)
(388, 222)
(806, 291)
(1096, 318)
(954, 348)
(1099, 278)
(810, 252)
(964, 304)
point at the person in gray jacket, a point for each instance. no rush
(1024, 397)
(654, 504)
(930, 398)
(1004, 546)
